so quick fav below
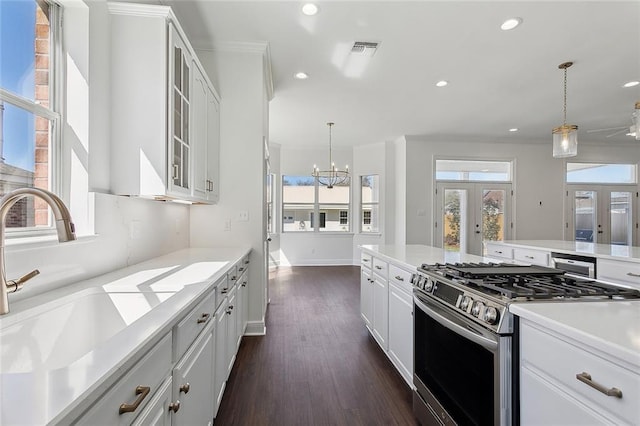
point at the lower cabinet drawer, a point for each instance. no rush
(499, 250)
(562, 362)
(186, 331)
(400, 277)
(535, 257)
(619, 272)
(131, 394)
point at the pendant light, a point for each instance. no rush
(636, 120)
(332, 176)
(565, 137)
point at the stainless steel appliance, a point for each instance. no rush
(466, 341)
(583, 266)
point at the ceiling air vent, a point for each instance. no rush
(364, 48)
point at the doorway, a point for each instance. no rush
(470, 213)
(603, 214)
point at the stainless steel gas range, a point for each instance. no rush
(466, 340)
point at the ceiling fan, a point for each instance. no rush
(614, 131)
(633, 130)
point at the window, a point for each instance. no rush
(344, 217)
(304, 200)
(369, 199)
(601, 173)
(473, 170)
(29, 119)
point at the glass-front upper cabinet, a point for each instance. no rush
(180, 74)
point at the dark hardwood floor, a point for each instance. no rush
(317, 365)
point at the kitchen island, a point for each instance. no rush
(79, 352)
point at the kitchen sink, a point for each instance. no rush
(55, 334)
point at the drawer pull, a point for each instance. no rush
(142, 392)
(378, 267)
(365, 260)
(203, 318)
(498, 251)
(244, 284)
(224, 290)
(246, 262)
(529, 257)
(631, 274)
(399, 278)
(174, 406)
(185, 388)
(586, 379)
(233, 278)
(241, 269)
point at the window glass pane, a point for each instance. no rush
(25, 134)
(585, 219)
(336, 194)
(20, 48)
(621, 219)
(298, 199)
(601, 173)
(455, 219)
(369, 198)
(473, 170)
(331, 217)
(493, 215)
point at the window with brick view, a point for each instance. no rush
(26, 115)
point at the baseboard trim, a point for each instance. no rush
(255, 328)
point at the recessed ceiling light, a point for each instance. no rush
(301, 75)
(442, 83)
(515, 129)
(309, 9)
(510, 24)
(631, 84)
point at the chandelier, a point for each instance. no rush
(565, 137)
(332, 176)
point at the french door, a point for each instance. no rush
(603, 214)
(469, 213)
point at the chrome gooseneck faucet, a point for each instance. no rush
(64, 226)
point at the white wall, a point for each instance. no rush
(240, 77)
(104, 222)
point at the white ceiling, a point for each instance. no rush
(498, 79)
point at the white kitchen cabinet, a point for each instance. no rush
(243, 297)
(500, 251)
(220, 355)
(619, 271)
(193, 383)
(554, 370)
(159, 117)
(401, 330)
(121, 404)
(366, 297)
(232, 340)
(157, 413)
(380, 326)
(531, 256)
(205, 128)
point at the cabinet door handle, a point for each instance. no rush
(244, 284)
(586, 379)
(399, 278)
(203, 318)
(631, 274)
(174, 406)
(142, 392)
(224, 290)
(185, 388)
(241, 269)
(233, 278)
(246, 262)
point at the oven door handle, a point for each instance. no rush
(457, 326)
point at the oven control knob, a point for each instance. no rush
(490, 315)
(428, 285)
(477, 308)
(465, 303)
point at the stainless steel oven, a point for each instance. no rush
(463, 371)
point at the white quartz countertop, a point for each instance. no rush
(611, 327)
(412, 256)
(42, 380)
(610, 251)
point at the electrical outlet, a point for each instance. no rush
(227, 225)
(243, 216)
